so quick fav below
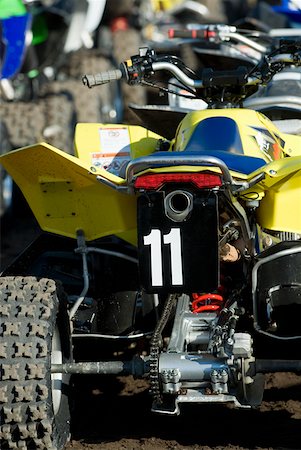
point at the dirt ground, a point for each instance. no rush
(114, 413)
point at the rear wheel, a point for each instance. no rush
(34, 407)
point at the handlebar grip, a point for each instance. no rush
(102, 78)
(191, 34)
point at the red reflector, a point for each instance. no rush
(120, 23)
(171, 33)
(200, 180)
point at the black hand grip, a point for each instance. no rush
(102, 78)
(191, 34)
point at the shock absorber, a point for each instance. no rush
(206, 303)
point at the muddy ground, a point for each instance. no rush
(114, 414)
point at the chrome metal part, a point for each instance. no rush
(171, 381)
(219, 381)
(175, 159)
(194, 396)
(191, 367)
(189, 328)
(178, 204)
(242, 345)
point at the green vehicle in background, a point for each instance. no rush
(41, 62)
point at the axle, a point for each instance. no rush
(136, 367)
(139, 367)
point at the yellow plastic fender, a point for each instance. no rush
(63, 191)
(279, 194)
(96, 142)
(65, 195)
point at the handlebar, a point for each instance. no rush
(210, 78)
(216, 33)
(178, 73)
(140, 68)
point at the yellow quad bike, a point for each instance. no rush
(178, 250)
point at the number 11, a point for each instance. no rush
(173, 239)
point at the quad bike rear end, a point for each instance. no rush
(177, 258)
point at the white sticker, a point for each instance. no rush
(115, 150)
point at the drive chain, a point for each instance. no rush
(156, 343)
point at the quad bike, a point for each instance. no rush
(48, 64)
(174, 256)
(218, 46)
(40, 99)
(27, 114)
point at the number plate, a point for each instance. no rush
(178, 256)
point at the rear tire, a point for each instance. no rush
(34, 407)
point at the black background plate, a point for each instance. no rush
(199, 242)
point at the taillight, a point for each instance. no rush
(200, 180)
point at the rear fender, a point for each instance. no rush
(113, 145)
(279, 194)
(65, 196)
(292, 144)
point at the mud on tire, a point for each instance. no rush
(34, 409)
(49, 118)
(12, 202)
(5, 146)
(91, 105)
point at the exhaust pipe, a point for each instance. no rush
(178, 204)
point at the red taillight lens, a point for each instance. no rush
(200, 180)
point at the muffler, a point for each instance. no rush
(178, 204)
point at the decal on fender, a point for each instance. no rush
(271, 145)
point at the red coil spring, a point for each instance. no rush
(206, 303)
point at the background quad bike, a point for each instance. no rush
(47, 97)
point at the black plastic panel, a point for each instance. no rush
(161, 241)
